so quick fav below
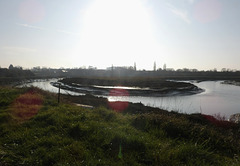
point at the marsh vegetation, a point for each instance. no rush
(65, 134)
(137, 86)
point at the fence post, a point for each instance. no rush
(59, 85)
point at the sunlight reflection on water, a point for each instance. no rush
(217, 98)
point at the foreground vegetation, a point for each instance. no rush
(35, 130)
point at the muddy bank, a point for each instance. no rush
(230, 82)
(128, 87)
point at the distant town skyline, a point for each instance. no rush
(194, 34)
(133, 67)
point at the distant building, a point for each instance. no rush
(169, 69)
(154, 66)
(135, 66)
(119, 68)
(164, 66)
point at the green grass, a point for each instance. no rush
(65, 134)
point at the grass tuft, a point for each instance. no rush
(65, 134)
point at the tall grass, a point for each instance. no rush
(64, 134)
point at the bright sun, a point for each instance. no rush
(117, 32)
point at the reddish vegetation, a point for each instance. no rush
(219, 123)
(27, 105)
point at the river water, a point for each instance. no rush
(217, 98)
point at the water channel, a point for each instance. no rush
(217, 98)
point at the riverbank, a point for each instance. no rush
(229, 82)
(66, 134)
(155, 87)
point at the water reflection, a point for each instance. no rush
(46, 85)
(217, 98)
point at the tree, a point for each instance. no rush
(224, 69)
(10, 67)
(19, 67)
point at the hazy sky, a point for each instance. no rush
(202, 34)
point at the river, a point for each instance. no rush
(217, 98)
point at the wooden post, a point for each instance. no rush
(59, 85)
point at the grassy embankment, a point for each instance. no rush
(35, 130)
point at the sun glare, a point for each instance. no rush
(117, 32)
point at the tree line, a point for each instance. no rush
(181, 74)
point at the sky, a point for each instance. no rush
(194, 34)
